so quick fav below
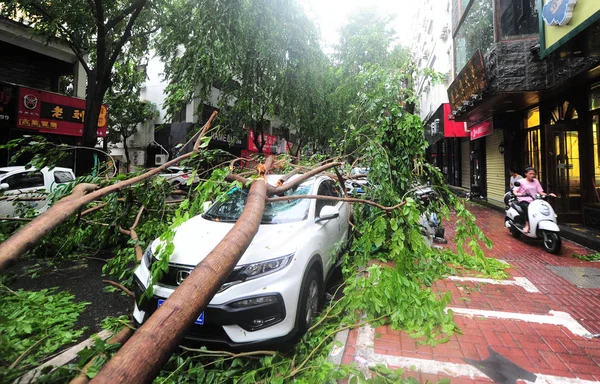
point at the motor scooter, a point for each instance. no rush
(542, 220)
(431, 227)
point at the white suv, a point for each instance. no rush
(277, 286)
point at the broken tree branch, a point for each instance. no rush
(119, 286)
(332, 198)
(62, 210)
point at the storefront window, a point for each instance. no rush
(518, 18)
(595, 97)
(476, 32)
(596, 132)
(533, 141)
(563, 112)
(532, 118)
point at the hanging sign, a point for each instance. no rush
(482, 129)
(470, 82)
(558, 12)
(48, 112)
(269, 141)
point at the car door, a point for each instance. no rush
(330, 231)
(22, 184)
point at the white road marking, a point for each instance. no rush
(553, 318)
(518, 281)
(366, 357)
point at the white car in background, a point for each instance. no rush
(20, 182)
(357, 182)
(179, 176)
(277, 286)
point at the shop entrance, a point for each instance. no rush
(478, 186)
(563, 168)
(562, 141)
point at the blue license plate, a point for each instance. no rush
(199, 320)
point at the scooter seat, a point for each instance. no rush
(517, 207)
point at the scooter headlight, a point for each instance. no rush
(545, 210)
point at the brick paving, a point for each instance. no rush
(545, 349)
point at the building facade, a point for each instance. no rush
(432, 50)
(37, 81)
(526, 85)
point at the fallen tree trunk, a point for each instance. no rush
(83, 194)
(121, 337)
(141, 358)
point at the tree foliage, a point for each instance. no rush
(127, 111)
(98, 32)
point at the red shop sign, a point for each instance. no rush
(269, 140)
(482, 129)
(48, 112)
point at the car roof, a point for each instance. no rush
(22, 168)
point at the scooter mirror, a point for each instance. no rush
(517, 184)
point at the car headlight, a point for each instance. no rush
(252, 271)
(255, 270)
(545, 210)
(148, 256)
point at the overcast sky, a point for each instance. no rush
(330, 15)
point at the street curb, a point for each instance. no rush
(337, 352)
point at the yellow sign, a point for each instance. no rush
(584, 13)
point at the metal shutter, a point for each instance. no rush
(465, 164)
(495, 174)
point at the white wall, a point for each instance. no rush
(431, 50)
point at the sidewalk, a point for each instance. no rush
(536, 326)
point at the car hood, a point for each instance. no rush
(197, 237)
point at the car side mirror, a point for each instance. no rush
(328, 212)
(206, 206)
(4, 186)
(517, 184)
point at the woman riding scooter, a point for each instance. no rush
(527, 190)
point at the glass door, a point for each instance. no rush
(566, 183)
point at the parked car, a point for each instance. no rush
(277, 286)
(179, 176)
(29, 183)
(358, 183)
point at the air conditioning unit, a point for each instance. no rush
(139, 158)
(445, 32)
(160, 159)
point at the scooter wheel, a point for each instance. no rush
(515, 232)
(551, 242)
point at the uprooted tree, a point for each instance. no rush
(371, 107)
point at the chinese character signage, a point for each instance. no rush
(470, 81)
(482, 129)
(8, 105)
(47, 112)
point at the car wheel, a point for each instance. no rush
(310, 300)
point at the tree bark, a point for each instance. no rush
(141, 358)
(126, 150)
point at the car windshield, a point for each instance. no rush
(231, 206)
